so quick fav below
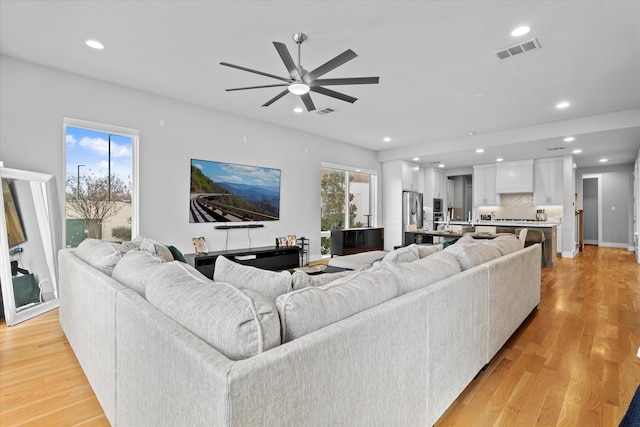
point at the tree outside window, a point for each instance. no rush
(98, 185)
(345, 201)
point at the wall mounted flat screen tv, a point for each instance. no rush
(227, 192)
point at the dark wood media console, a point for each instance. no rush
(268, 258)
(355, 240)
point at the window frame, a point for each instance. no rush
(134, 134)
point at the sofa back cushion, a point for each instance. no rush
(238, 324)
(472, 254)
(507, 243)
(423, 272)
(306, 310)
(426, 250)
(135, 268)
(100, 254)
(405, 254)
(269, 283)
(300, 279)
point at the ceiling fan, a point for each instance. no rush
(301, 81)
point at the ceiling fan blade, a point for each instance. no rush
(306, 98)
(347, 81)
(288, 61)
(344, 57)
(256, 87)
(226, 64)
(334, 94)
(275, 98)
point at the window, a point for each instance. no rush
(101, 184)
(347, 200)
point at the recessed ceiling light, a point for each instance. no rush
(569, 139)
(415, 159)
(520, 31)
(499, 159)
(480, 150)
(604, 160)
(386, 139)
(441, 165)
(577, 151)
(94, 44)
(563, 104)
(298, 110)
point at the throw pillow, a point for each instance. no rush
(472, 254)
(405, 254)
(177, 255)
(238, 324)
(135, 268)
(507, 243)
(100, 254)
(423, 272)
(300, 279)
(426, 250)
(269, 283)
(156, 248)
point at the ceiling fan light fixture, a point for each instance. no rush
(299, 88)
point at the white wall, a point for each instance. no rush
(34, 100)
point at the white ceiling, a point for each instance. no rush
(439, 76)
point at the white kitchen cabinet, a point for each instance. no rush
(484, 185)
(433, 185)
(514, 177)
(410, 176)
(559, 238)
(548, 181)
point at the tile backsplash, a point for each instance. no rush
(520, 206)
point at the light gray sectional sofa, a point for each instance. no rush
(392, 344)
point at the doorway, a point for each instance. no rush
(591, 195)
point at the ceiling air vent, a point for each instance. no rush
(325, 111)
(555, 148)
(518, 48)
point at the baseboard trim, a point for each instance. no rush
(613, 245)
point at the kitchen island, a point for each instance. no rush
(549, 229)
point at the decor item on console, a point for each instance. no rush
(200, 245)
(286, 242)
(227, 192)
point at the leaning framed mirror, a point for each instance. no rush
(29, 242)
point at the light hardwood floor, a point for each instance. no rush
(572, 363)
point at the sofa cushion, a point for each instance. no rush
(269, 283)
(355, 261)
(156, 248)
(300, 279)
(426, 250)
(309, 309)
(507, 243)
(423, 272)
(135, 268)
(236, 323)
(100, 254)
(405, 254)
(471, 254)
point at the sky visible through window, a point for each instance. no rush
(91, 148)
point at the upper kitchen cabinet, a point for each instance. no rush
(514, 177)
(433, 184)
(549, 181)
(484, 185)
(410, 177)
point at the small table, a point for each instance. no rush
(328, 269)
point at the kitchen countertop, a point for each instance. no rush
(532, 224)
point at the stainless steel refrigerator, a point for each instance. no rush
(411, 210)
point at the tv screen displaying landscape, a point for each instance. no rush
(227, 192)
